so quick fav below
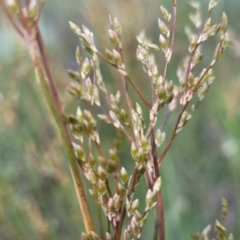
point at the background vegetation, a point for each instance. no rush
(37, 199)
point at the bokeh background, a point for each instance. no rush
(37, 199)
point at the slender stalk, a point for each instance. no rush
(129, 80)
(125, 85)
(138, 92)
(160, 209)
(39, 12)
(99, 212)
(67, 138)
(167, 59)
(22, 18)
(38, 54)
(73, 166)
(193, 92)
(165, 120)
(160, 216)
(172, 137)
(133, 181)
(129, 137)
(10, 18)
(180, 115)
(193, 52)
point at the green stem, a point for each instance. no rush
(79, 187)
(54, 102)
(100, 222)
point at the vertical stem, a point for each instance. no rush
(134, 180)
(125, 86)
(100, 220)
(160, 224)
(85, 211)
(160, 216)
(79, 187)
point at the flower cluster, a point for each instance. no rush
(89, 86)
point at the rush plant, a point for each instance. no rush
(117, 203)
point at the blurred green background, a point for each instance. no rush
(37, 199)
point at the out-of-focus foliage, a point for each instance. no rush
(36, 194)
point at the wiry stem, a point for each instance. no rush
(125, 85)
(128, 79)
(160, 222)
(168, 58)
(39, 57)
(10, 18)
(133, 182)
(99, 212)
(165, 120)
(22, 18)
(195, 88)
(129, 137)
(180, 115)
(67, 138)
(193, 52)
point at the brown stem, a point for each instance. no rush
(160, 222)
(129, 80)
(160, 216)
(180, 115)
(171, 138)
(108, 188)
(138, 92)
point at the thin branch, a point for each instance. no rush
(10, 18)
(133, 181)
(37, 49)
(160, 216)
(129, 137)
(180, 115)
(106, 96)
(129, 80)
(165, 120)
(101, 154)
(125, 85)
(160, 222)
(22, 18)
(100, 221)
(108, 188)
(153, 91)
(167, 59)
(193, 92)
(193, 52)
(39, 13)
(172, 136)
(138, 92)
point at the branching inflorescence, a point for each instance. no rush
(119, 203)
